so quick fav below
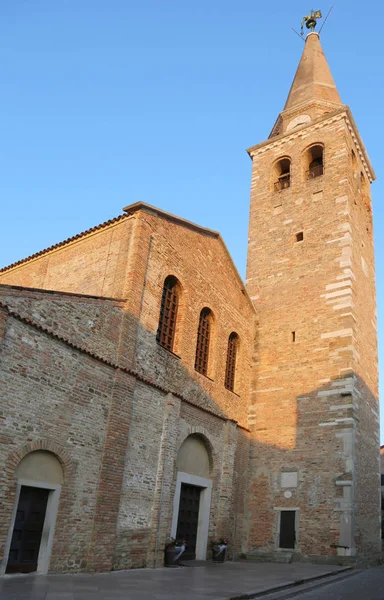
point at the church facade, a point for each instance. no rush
(147, 393)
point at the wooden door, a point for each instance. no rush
(26, 537)
(287, 529)
(188, 518)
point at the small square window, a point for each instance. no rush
(300, 236)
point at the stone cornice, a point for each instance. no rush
(304, 106)
(342, 114)
(360, 146)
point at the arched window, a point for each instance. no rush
(168, 313)
(282, 174)
(203, 340)
(315, 164)
(230, 369)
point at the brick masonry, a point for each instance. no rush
(83, 377)
(314, 396)
(121, 432)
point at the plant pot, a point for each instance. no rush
(172, 556)
(218, 553)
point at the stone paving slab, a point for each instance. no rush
(208, 582)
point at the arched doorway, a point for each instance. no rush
(39, 480)
(192, 502)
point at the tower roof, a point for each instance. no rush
(313, 80)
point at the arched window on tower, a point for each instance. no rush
(315, 162)
(282, 174)
(203, 341)
(230, 369)
(168, 313)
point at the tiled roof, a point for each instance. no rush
(111, 364)
(67, 241)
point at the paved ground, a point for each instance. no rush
(208, 582)
(368, 585)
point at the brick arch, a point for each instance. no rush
(307, 155)
(66, 463)
(204, 435)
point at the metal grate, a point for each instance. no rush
(283, 182)
(202, 346)
(230, 369)
(168, 314)
(315, 170)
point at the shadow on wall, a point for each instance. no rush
(325, 472)
(117, 433)
(117, 426)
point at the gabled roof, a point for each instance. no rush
(129, 211)
(137, 206)
(74, 238)
(132, 208)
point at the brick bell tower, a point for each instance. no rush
(314, 415)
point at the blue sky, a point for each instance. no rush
(103, 104)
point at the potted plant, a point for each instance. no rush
(172, 552)
(219, 548)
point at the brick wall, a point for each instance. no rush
(52, 397)
(90, 323)
(207, 278)
(122, 440)
(94, 263)
(305, 414)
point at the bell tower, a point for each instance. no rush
(314, 486)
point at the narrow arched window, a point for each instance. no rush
(315, 161)
(203, 341)
(282, 174)
(168, 313)
(230, 369)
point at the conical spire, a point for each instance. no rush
(313, 80)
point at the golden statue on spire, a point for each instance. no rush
(310, 20)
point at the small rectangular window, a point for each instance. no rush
(293, 336)
(300, 236)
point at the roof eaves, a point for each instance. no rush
(23, 288)
(293, 132)
(183, 222)
(113, 365)
(132, 208)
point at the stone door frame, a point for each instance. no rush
(48, 527)
(278, 510)
(204, 510)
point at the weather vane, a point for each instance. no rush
(310, 20)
